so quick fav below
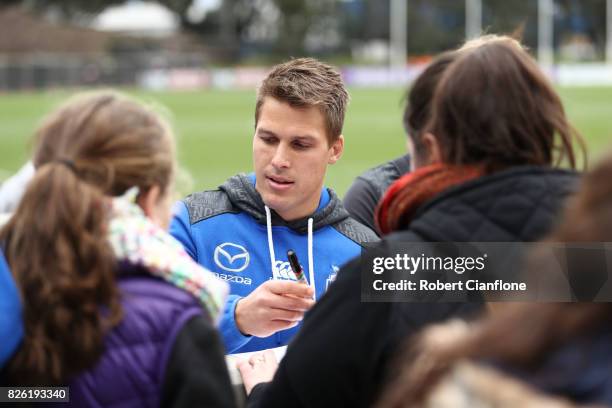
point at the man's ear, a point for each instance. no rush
(337, 149)
(147, 200)
(432, 147)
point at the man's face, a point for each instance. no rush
(290, 156)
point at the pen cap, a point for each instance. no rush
(293, 261)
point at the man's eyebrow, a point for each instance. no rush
(305, 138)
(265, 131)
(302, 138)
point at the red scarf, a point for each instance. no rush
(404, 197)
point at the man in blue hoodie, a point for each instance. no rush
(243, 230)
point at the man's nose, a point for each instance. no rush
(281, 157)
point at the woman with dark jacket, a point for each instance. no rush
(524, 354)
(113, 307)
(486, 168)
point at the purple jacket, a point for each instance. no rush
(131, 371)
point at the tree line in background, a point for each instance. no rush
(354, 30)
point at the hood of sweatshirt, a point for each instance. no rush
(241, 191)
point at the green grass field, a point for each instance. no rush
(214, 129)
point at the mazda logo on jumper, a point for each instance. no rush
(231, 257)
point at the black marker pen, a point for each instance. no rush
(296, 267)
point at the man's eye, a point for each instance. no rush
(267, 140)
(301, 146)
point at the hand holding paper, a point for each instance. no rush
(259, 368)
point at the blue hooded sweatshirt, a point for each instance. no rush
(231, 232)
(11, 325)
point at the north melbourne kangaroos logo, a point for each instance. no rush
(231, 257)
(282, 270)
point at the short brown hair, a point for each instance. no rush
(308, 82)
(495, 107)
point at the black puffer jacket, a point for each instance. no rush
(342, 353)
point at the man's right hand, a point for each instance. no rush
(275, 305)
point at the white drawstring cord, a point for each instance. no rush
(270, 243)
(311, 260)
(311, 279)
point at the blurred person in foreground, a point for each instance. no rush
(113, 306)
(486, 168)
(368, 188)
(13, 188)
(537, 354)
(243, 230)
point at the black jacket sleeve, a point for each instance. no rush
(196, 374)
(360, 201)
(344, 351)
(335, 359)
(279, 390)
(366, 191)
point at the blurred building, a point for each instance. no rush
(138, 19)
(36, 52)
(176, 46)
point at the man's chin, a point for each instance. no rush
(274, 202)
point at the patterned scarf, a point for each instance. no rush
(138, 241)
(408, 193)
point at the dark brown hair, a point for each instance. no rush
(520, 334)
(495, 108)
(420, 95)
(304, 82)
(95, 146)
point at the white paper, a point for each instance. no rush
(232, 359)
